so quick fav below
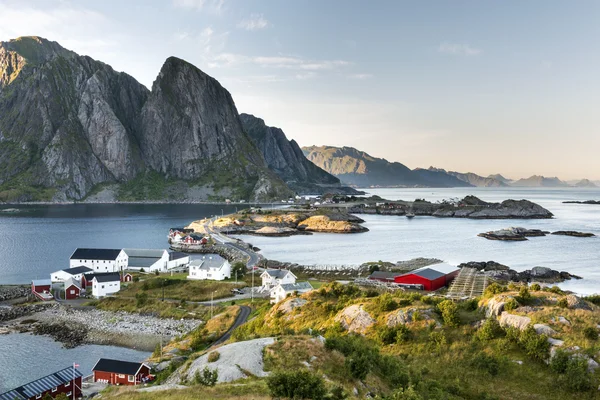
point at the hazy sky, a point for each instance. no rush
(481, 86)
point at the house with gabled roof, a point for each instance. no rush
(117, 372)
(105, 284)
(100, 260)
(72, 289)
(65, 381)
(431, 277)
(149, 260)
(274, 277)
(65, 274)
(210, 267)
(282, 290)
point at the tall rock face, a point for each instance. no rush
(355, 167)
(286, 159)
(69, 123)
(473, 179)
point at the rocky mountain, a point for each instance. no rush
(286, 159)
(539, 181)
(500, 178)
(357, 168)
(71, 127)
(585, 183)
(473, 179)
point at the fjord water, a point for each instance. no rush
(26, 357)
(455, 240)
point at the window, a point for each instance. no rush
(102, 286)
(67, 384)
(54, 389)
(72, 291)
(130, 378)
(121, 375)
(69, 394)
(38, 396)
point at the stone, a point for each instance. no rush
(290, 304)
(542, 329)
(494, 307)
(577, 303)
(561, 320)
(555, 342)
(515, 321)
(355, 319)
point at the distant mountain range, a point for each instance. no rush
(359, 169)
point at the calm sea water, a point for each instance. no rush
(455, 240)
(25, 357)
(40, 239)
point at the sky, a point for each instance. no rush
(509, 87)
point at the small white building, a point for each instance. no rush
(105, 284)
(100, 260)
(213, 267)
(274, 277)
(64, 275)
(281, 291)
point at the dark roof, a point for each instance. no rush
(96, 254)
(41, 385)
(117, 366)
(384, 275)
(107, 277)
(184, 230)
(195, 236)
(176, 255)
(77, 270)
(427, 273)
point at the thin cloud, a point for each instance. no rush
(214, 6)
(280, 61)
(254, 23)
(459, 49)
(360, 76)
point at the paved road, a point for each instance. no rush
(240, 320)
(253, 258)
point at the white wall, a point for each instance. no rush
(101, 289)
(62, 276)
(103, 265)
(215, 274)
(178, 263)
(268, 280)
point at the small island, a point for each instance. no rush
(593, 202)
(521, 234)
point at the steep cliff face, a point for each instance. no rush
(358, 168)
(69, 123)
(286, 159)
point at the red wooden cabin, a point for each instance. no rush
(116, 372)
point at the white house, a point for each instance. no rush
(100, 260)
(274, 277)
(149, 259)
(281, 291)
(105, 284)
(213, 267)
(64, 275)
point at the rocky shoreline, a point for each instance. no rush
(521, 234)
(504, 273)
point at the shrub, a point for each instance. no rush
(406, 394)
(577, 377)
(141, 299)
(449, 312)
(535, 346)
(563, 303)
(437, 341)
(359, 365)
(386, 335)
(490, 329)
(511, 305)
(595, 299)
(536, 287)
(157, 350)
(156, 273)
(296, 385)
(469, 305)
(513, 334)
(393, 370)
(487, 363)
(590, 333)
(494, 289)
(214, 356)
(402, 334)
(404, 302)
(524, 295)
(373, 268)
(207, 377)
(386, 303)
(559, 362)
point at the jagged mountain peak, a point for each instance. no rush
(36, 49)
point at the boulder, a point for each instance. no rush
(355, 319)
(561, 320)
(576, 303)
(290, 304)
(542, 329)
(515, 321)
(554, 343)
(494, 307)
(402, 317)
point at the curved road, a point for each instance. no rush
(239, 321)
(253, 258)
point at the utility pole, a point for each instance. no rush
(212, 295)
(252, 291)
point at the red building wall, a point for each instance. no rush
(118, 379)
(64, 389)
(71, 296)
(40, 289)
(428, 285)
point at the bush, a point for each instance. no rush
(494, 289)
(141, 299)
(386, 303)
(404, 302)
(524, 295)
(511, 305)
(536, 287)
(359, 365)
(490, 329)
(590, 333)
(563, 303)
(156, 273)
(594, 299)
(391, 335)
(437, 341)
(469, 305)
(449, 312)
(207, 377)
(487, 363)
(238, 269)
(402, 334)
(535, 346)
(213, 356)
(560, 361)
(296, 385)
(577, 377)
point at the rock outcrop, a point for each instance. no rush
(573, 233)
(504, 273)
(514, 321)
(69, 123)
(512, 234)
(355, 319)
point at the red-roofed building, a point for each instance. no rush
(432, 277)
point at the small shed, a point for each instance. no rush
(72, 289)
(127, 278)
(41, 289)
(431, 277)
(117, 372)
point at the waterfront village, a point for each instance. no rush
(227, 314)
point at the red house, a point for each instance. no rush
(127, 278)
(116, 372)
(72, 289)
(195, 239)
(41, 289)
(64, 381)
(432, 277)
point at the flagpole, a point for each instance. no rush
(74, 385)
